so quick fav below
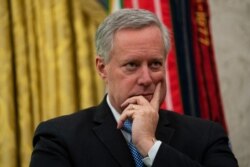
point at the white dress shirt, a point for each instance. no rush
(148, 161)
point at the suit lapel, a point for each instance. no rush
(111, 137)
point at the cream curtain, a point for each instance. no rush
(46, 68)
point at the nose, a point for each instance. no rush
(145, 77)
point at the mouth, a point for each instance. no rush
(147, 96)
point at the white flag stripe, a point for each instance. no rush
(115, 5)
(135, 4)
(158, 12)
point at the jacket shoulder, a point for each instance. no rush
(191, 126)
(186, 120)
(66, 125)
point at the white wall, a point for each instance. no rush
(230, 23)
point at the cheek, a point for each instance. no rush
(128, 84)
(120, 83)
(160, 77)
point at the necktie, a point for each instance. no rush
(136, 155)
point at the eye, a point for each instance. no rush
(156, 64)
(131, 66)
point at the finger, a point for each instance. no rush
(120, 124)
(155, 102)
(131, 100)
(126, 114)
(134, 100)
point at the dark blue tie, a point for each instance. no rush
(136, 155)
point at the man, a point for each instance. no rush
(132, 46)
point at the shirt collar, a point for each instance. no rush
(115, 113)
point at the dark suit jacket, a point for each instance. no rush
(89, 138)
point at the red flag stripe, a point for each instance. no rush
(173, 75)
(209, 94)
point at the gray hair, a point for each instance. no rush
(122, 19)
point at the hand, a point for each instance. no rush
(144, 115)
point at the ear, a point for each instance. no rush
(100, 66)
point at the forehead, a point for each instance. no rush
(147, 40)
(138, 37)
(126, 32)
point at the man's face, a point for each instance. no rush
(136, 65)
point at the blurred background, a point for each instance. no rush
(47, 65)
(231, 36)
